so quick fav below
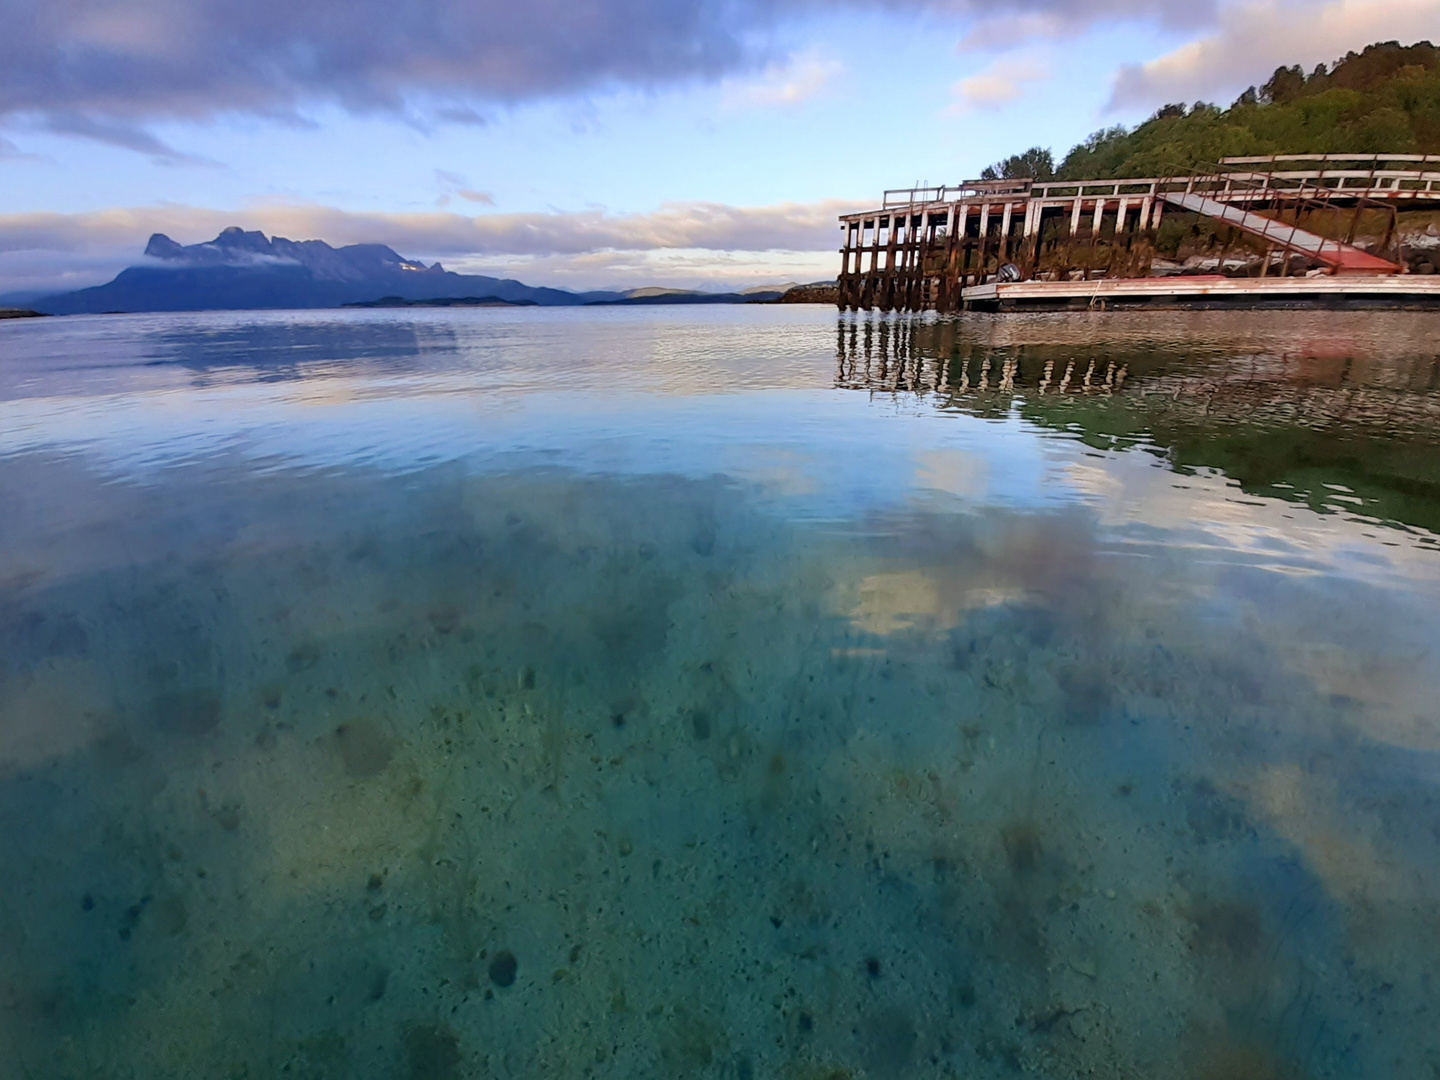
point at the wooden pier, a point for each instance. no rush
(927, 248)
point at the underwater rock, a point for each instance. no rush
(503, 967)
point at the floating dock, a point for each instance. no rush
(1395, 292)
(1084, 243)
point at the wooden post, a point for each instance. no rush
(1033, 209)
(901, 262)
(1095, 224)
(949, 296)
(1074, 230)
(867, 272)
(887, 285)
(984, 253)
(922, 250)
(902, 297)
(1120, 215)
(1005, 230)
(872, 284)
(967, 249)
(930, 289)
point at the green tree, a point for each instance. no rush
(1037, 163)
(1385, 99)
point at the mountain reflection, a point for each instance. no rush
(1333, 416)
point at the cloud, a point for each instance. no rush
(1005, 80)
(1254, 37)
(42, 248)
(1014, 25)
(453, 183)
(797, 80)
(676, 268)
(1006, 31)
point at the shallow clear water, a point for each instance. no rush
(724, 692)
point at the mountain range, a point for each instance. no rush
(241, 270)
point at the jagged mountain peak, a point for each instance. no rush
(235, 246)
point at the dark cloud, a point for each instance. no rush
(139, 60)
(149, 58)
(117, 133)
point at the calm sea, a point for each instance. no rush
(726, 692)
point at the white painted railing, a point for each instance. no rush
(1389, 185)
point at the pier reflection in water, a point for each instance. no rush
(1304, 408)
(503, 694)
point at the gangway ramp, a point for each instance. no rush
(1341, 258)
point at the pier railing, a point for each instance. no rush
(1226, 184)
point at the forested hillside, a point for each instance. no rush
(1385, 99)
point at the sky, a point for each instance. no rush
(580, 143)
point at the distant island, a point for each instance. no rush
(441, 302)
(241, 270)
(686, 296)
(19, 313)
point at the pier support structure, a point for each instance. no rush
(923, 247)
